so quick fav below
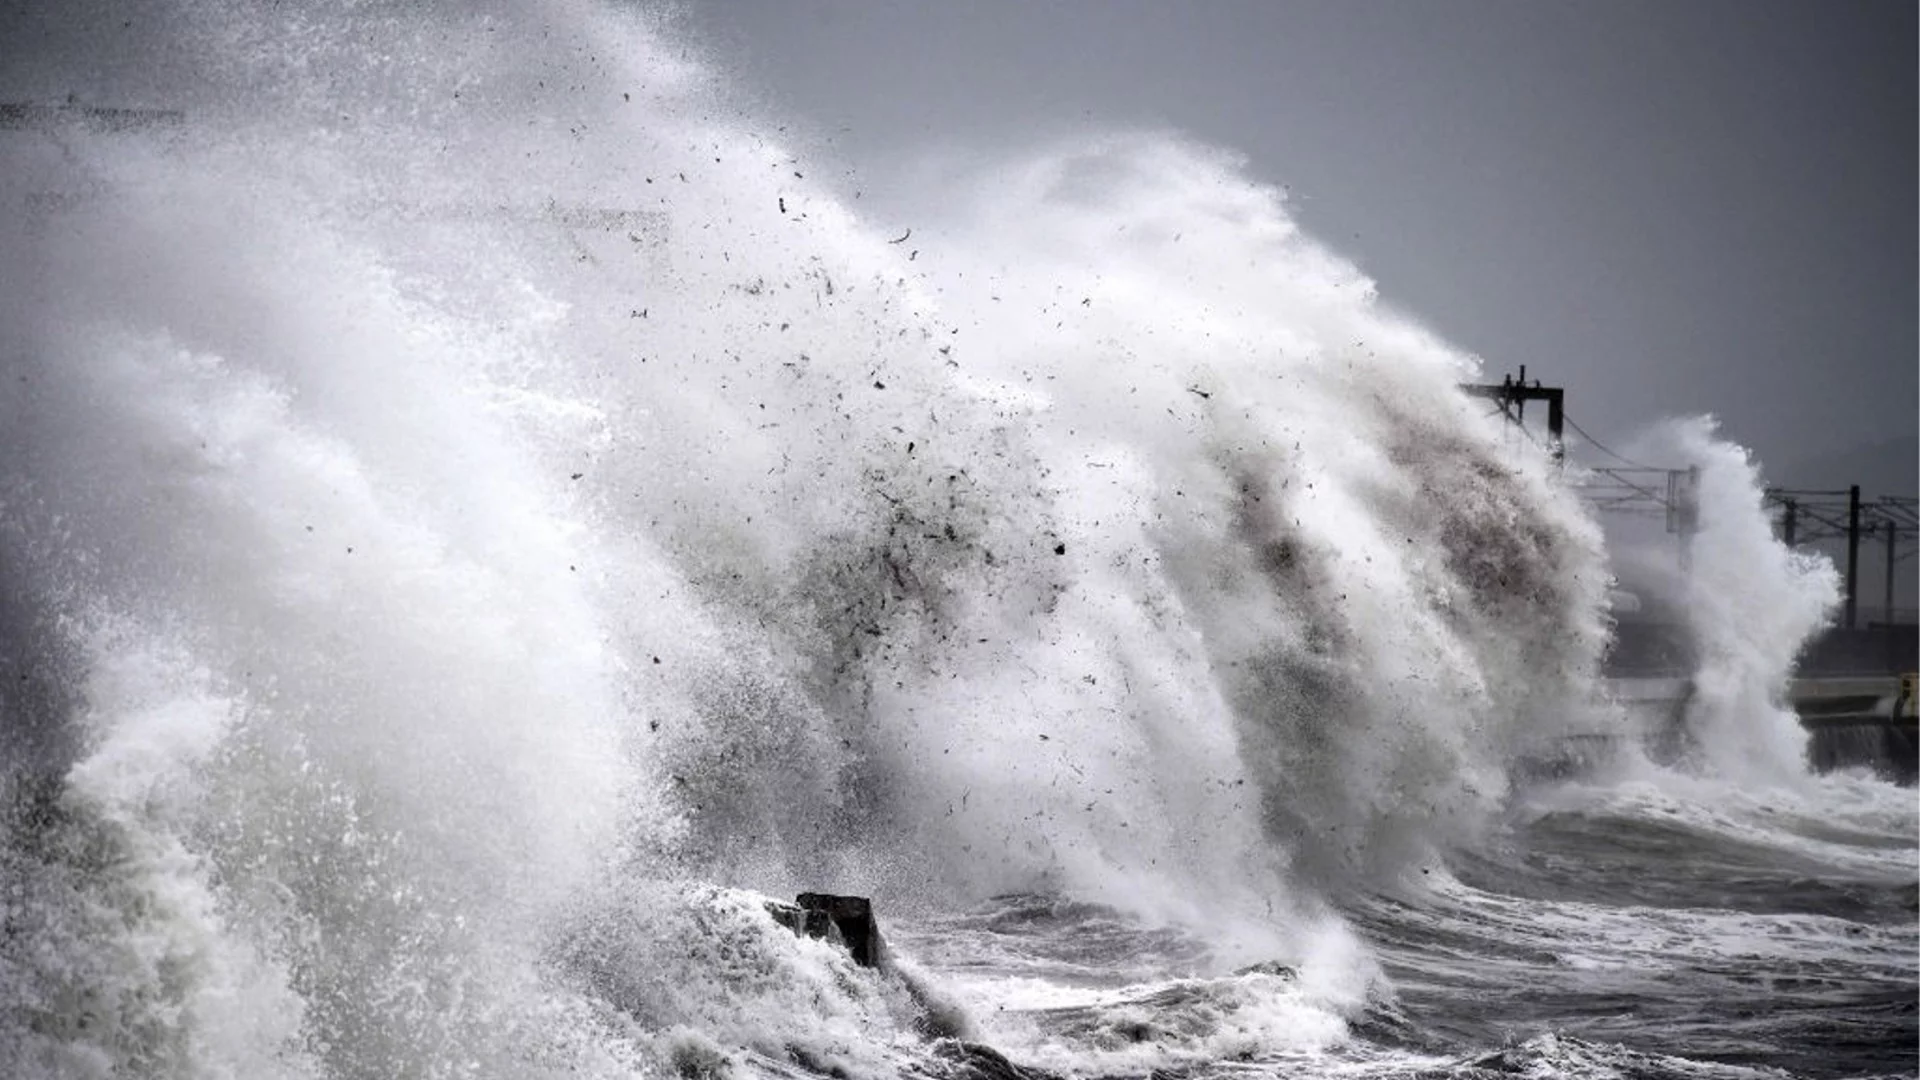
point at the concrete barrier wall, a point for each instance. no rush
(1864, 722)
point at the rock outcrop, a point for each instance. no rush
(846, 920)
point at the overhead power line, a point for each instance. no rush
(1603, 448)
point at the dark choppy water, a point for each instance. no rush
(1658, 928)
(1714, 925)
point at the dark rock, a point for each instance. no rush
(814, 1063)
(1269, 967)
(978, 1061)
(847, 920)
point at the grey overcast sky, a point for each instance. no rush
(1667, 207)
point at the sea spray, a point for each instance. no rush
(1393, 605)
(1749, 605)
(557, 500)
(121, 957)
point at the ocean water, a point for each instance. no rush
(481, 510)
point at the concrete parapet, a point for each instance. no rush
(1852, 721)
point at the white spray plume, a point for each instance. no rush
(1749, 604)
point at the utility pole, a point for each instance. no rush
(1853, 554)
(1893, 540)
(1683, 509)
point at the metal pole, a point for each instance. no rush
(1789, 521)
(1556, 414)
(1893, 538)
(1853, 554)
(1689, 516)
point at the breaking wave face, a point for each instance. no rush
(464, 486)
